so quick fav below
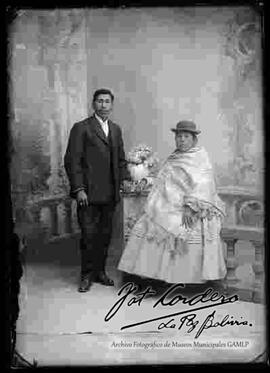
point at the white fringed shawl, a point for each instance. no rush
(185, 179)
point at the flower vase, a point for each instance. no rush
(138, 171)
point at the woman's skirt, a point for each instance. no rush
(152, 253)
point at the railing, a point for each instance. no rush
(230, 236)
(49, 219)
(54, 218)
(245, 222)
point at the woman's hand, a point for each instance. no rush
(82, 199)
(188, 217)
(142, 183)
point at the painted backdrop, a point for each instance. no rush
(163, 64)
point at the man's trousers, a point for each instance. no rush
(96, 227)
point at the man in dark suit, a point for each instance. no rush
(96, 167)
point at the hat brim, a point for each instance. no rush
(186, 130)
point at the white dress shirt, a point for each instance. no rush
(104, 125)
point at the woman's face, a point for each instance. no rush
(184, 141)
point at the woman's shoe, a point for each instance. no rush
(103, 279)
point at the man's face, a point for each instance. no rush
(103, 105)
(184, 141)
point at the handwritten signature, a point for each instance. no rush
(208, 299)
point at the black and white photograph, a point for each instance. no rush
(137, 185)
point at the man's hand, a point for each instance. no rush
(82, 199)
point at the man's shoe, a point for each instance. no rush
(85, 284)
(103, 279)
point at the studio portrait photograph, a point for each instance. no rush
(136, 163)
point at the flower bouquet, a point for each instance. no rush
(142, 164)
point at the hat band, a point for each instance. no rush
(185, 129)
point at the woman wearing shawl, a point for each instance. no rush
(177, 239)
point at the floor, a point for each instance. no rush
(59, 326)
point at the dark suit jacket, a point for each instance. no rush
(87, 160)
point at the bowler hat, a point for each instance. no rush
(186, 125)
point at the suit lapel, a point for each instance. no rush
(113, 133)
(98, 130)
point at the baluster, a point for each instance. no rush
(258, 268)
(231, 211)
(129, 223)
(46, 225)
(68, 217)
(36, 215)
(36, 212)
(126, 231)
(232, 263)
(54, 219)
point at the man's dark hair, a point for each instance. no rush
(102, 91)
